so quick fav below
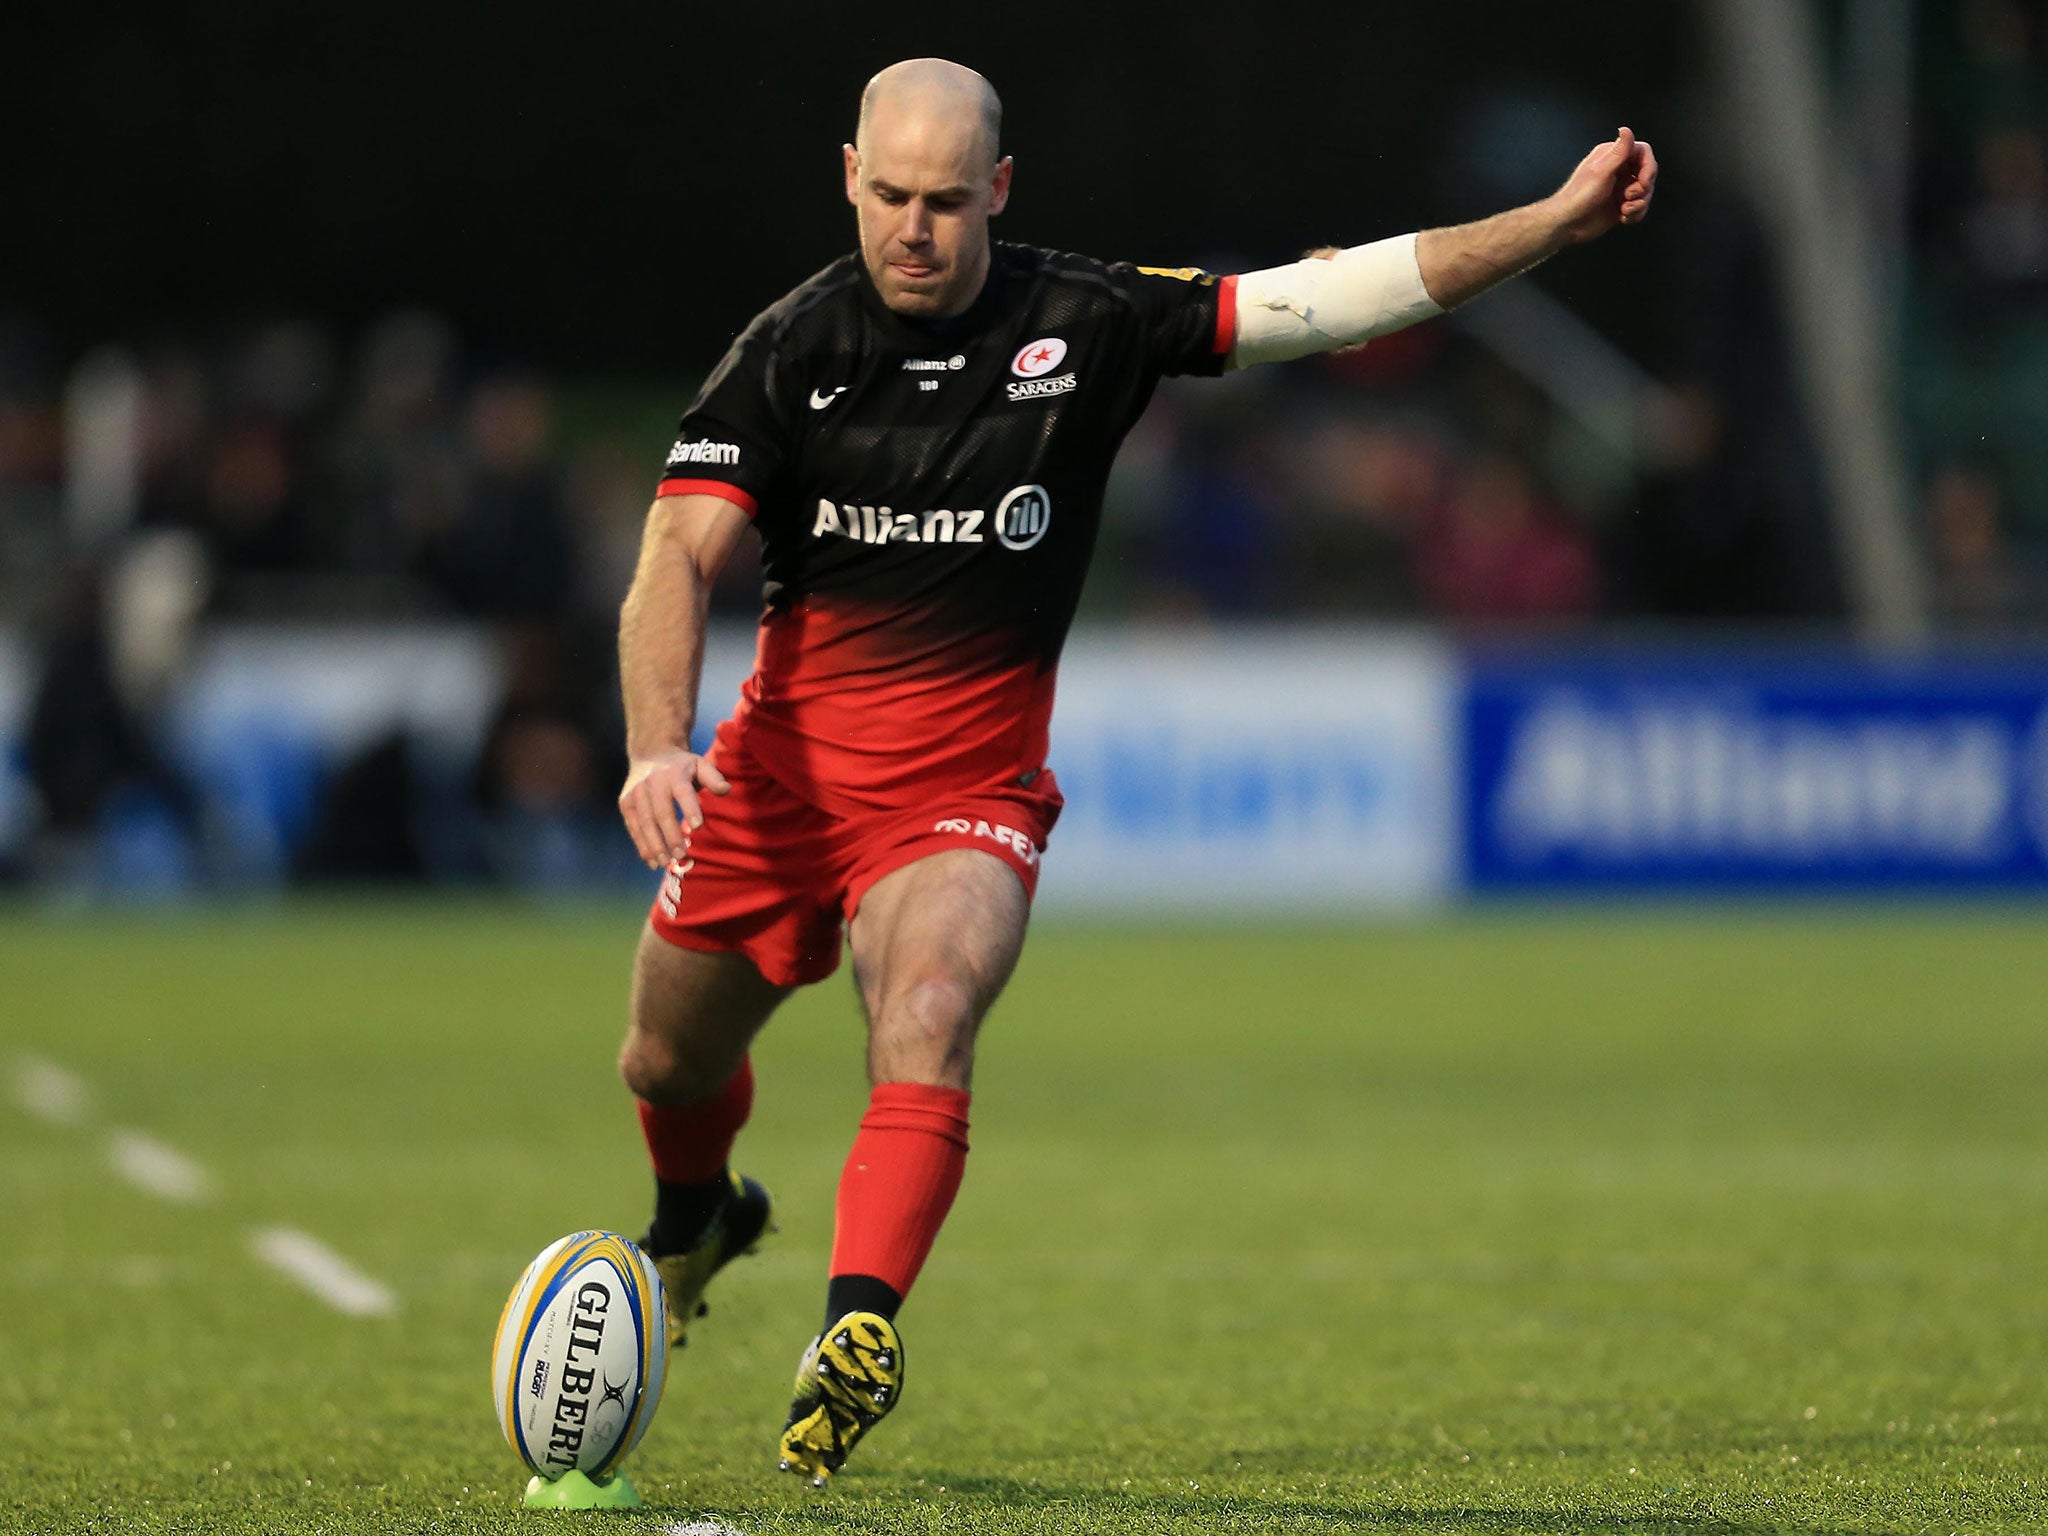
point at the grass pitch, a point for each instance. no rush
(1702, 1223)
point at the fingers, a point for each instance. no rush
(647, 841)
(1635, 197)
(656, 800)
(678, 794)
(660, 808)
(660, 811)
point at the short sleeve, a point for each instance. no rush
(730, 442)
(1188, 317)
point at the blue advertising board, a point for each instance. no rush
(1772, 769)
(1253, 771)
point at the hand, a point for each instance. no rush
(1612, 185)
(659, 803)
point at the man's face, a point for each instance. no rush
(924, 191)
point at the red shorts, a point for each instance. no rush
(772, 877)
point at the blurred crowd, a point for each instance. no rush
(151, 495)
(1976, 310)
(406, 478)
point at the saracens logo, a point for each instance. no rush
(1023, 516)
(1036, 358)
(1041, 389)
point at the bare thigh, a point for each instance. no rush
(933, 945)
(693, 1016)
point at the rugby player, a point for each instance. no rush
(919, 435)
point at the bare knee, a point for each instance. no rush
(924, 1033)
(691, 1019)
(664, 1071)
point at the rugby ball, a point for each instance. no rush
(581, 1355)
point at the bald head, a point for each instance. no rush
(932, 94)
(925, 175)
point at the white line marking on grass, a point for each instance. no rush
(322, 1271)
(50, 1092)
(148, 1164)
(58, 1096)
(700, 1528)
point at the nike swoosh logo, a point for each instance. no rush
(819, 399)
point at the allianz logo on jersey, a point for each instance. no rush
(1020, 521)
(951, 364)
(703, 453)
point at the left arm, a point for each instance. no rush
(1341, 298)
(1611, 186)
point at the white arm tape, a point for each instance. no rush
(1321, 304)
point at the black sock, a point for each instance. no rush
(684, 1212)
(859, 1293)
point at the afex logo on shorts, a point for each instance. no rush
(1007, 837)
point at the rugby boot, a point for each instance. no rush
(849, 1380)
(736, 1229)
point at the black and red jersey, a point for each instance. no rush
(927, 496)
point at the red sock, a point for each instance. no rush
(899, 1181)
(689, 1143)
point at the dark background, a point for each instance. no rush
(619, 187)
